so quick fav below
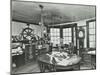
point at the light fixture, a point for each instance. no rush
(41, 23)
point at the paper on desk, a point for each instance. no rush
(64, 61)
(70, 61)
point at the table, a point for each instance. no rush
(45, 63)
(92, 55)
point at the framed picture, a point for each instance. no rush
(46, 37)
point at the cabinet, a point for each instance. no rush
(29, 53)
(18, 54)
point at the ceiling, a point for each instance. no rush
(30, 12)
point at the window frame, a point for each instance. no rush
(88, 34)
(61, 27)
(55, 36)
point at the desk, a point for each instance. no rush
(45, 63)
(18, 60)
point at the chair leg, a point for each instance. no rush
(52, 68)
(42, 67)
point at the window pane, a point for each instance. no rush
(55, 35)
(66, 42)
(70, 38)
(70, 34)
(66, 34)
(52, 39)
(58, 34)
(58, 38)
(51, 34)
(69, 41)
(51, 30)
(66, 38)
(92, 38)
(69, 30)
(91, 25)
(91, 31)
(66, 30)
(54, 30)
(92, 44)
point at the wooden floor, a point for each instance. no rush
(33, 67)
(28, 68)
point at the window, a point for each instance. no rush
(67, 32)
(55, 35)
(67, 35)
(92, 34)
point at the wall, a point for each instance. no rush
(17, 28)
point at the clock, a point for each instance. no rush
(81, 33)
